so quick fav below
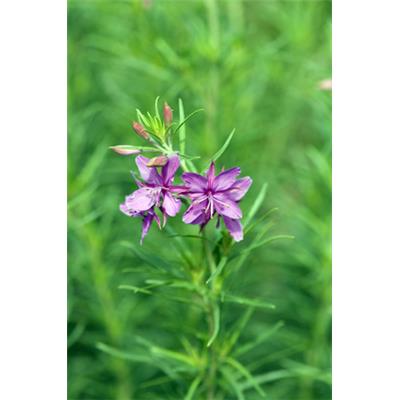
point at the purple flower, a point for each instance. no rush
(216, 194)
(156, 191)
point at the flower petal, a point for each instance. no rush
(194, 214)
(148, 174)
(171, 205)
(235, 228)
(130, 213)
(194, 182)
(239, 189)
(226, 179)
(227, 207)
(169, 169)
(147, 220)
(211, 174)
(142, 199)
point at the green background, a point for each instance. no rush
(254, 66)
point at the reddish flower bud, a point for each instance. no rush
(159, 161)
(167, 114)
(139, 129)
(125, 150)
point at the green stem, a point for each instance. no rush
(212, 321)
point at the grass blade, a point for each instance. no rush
(262, 243)
(192, 389)
(221, 151)
(218, 270)
(232, 382)
(249, 346)
(250, 379)
(216, 318)
(257, 204)
(182, 132)
(229, 298)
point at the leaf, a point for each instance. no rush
(156, 110)
(142, 119)
(259, 220)
(216, 321)
(229, 298)
(149, 258)
(137, 358)
(262, 243)
(221, 151)
(122, 354)
(192, 388)
(182, 123)
(182, 132)
(218, 270)
(261, 338)
(246, 373)
(256, 205)
(76, 334)
(231, 341)
(166, 353)
(135, 289)
(232, 382)
(268, 377)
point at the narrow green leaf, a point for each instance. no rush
(232, 383)
(256, 205)
(150, 258)
(135, 289)
(218, 270)
(182, 132)
(156, 110)
(122, 354)
(260, 339)
(229, 298)
(216, 317)
(182, 123)
(140, 358)
(237, 330)
(192, 388)
(268, 377)
(173, 355)
(142, 119)
(155, 382)
(258, 221)
(263, 243)
(242, 369)
(76, 334)
(221, 151)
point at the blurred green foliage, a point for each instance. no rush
(254, 66)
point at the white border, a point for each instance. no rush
(33, 200)
(366, 223)
(365, 200)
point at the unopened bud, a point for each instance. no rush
(167, 114)
(125, 150)
(139, 129)
(159, 161)
(326, 84)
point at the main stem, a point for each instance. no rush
(211, 307)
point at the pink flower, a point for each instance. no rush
(216, 195)
(155, 192)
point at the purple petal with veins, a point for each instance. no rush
(212, 195)
(226, 179)
(235, 228)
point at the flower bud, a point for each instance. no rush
(125, 150)
(159, 161)
(167, 114)
(139, 129)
